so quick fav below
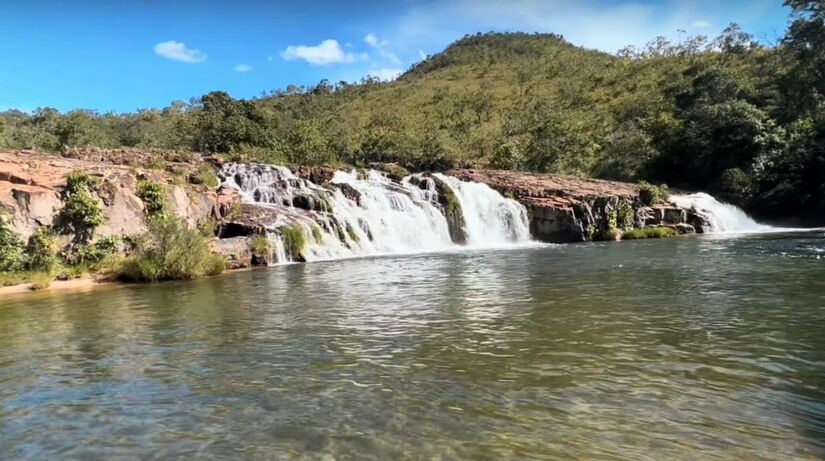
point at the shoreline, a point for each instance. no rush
(78, 284)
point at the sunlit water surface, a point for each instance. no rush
(695, 348)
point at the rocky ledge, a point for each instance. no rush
(560, 208)
(572, 209)
(31, 186)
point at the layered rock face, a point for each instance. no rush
(571, 209)
(31, 185)
(336, 213)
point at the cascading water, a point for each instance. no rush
(489, 218)
(723, 217)
(368, 214)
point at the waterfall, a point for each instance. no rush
(359, 213)
(723, 217)
(489, 217)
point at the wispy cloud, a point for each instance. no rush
(371, 40)
(381, 47)
(324, 54)
(386, 74)
(177, 51)
(588, 23)
(242, 68)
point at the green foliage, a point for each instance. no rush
(82, 212)
(317, 233)
(726, 114)
(651, 194)
(169, 250)
(153, 196)
(11, 246)
(649, 233)
(295, 241)
(260, 245)
(205, 176)
(234, 211)
(624, 215)
(352, 234)
(41, 251)
(40, 280)
(96, 252)
(78, 179)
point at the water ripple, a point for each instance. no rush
(681, 349)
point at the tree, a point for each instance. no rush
(11, 246)
(805, 37)
(223, 124)
(82, 212)
(79, 128)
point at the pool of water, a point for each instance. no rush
(693, 348)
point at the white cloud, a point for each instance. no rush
(380, 46)
(422, 54)
(242, 68)
(371, 40)
(588, 23)
(386, 74)
(177, 51)
(702, 24)
(326, 53)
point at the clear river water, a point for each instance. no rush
(691, 348)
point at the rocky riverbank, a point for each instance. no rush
(559, 208)
(572, 209)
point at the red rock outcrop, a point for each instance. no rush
(31, 184)
(572, 209)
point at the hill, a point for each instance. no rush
(728, 115)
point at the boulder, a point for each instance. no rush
(236, 251)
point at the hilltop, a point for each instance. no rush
(729, 116)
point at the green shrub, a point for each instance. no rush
(352, 234)
(317, 233)
(295, 241)
(41, 251)
(234, 211)
(11, 247)
(82, 212)
(79, 179)
(40, 280)
(624, 216)
(205, 176)
(653, 195)
(169, 250)
(95, 252)
(260, 245)
(8, 279)
(153, 196)
(649, 233)
(610, 235)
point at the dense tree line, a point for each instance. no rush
(729, 115)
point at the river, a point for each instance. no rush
(692, 348)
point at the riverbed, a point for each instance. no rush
(690, 348)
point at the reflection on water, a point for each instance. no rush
(697, 348)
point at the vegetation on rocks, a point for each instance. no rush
(651, 194)
(82, 212)
(169, 250)
(153, 196)
(295, 241)
(728, 114)
(11, 247)
(649, 232)
(41, 251)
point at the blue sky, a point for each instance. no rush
(121, 55)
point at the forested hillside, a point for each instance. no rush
(728, 115)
